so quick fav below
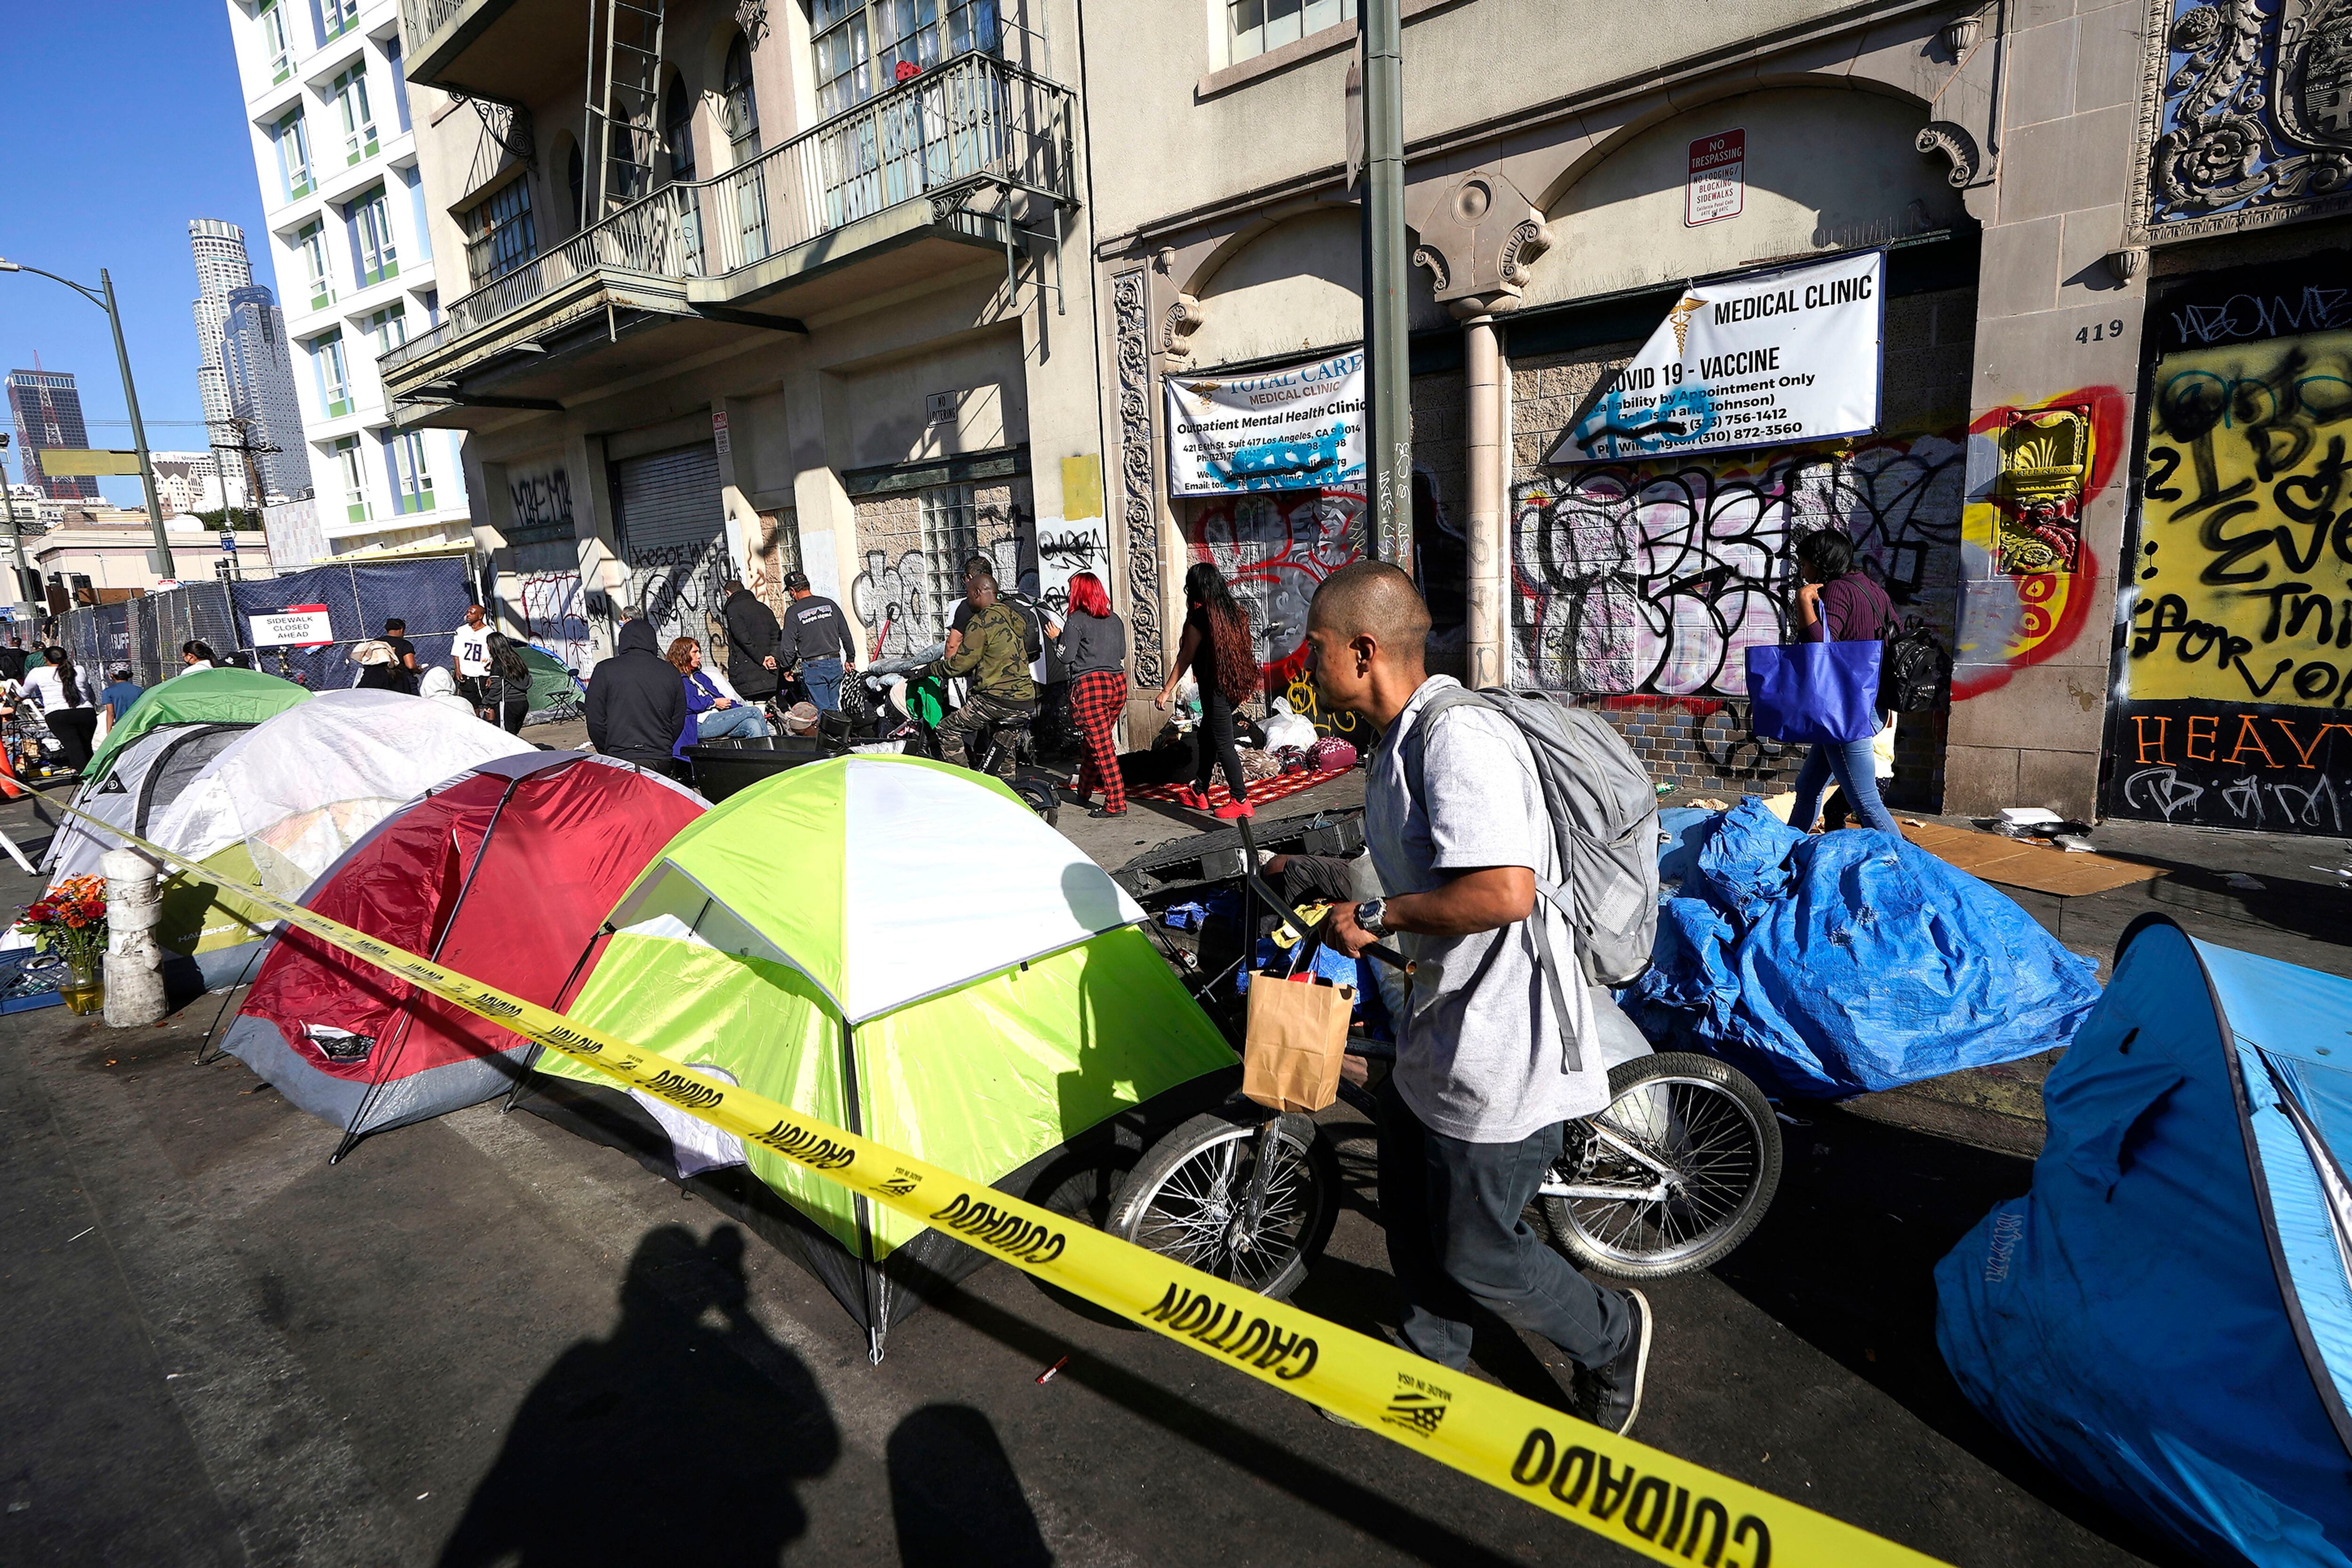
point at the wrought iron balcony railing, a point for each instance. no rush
(975, 123)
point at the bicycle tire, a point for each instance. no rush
(1693, 1085)
(1171, 1202)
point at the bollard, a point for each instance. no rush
(134, 965)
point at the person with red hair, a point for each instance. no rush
(1093, 644)
(1220, 653)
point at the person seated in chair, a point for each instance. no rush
(995, 654)
(713, 708)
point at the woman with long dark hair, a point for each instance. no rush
(1837, 601)
(1222, 657)
(1093, 644)
(65, 707)
(506, 690)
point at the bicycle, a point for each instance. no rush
(1669, 1178)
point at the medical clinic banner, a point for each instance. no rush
(1299, 427)
(1755, 362)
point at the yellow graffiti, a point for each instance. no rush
(2018, 623)
(1301, 697)
(2244, 565)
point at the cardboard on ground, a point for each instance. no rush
(2022, 863)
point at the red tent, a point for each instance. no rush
(505, 873)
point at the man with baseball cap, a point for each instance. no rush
(817, 633)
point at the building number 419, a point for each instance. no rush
(2098, 333)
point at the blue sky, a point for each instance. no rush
(125, 121)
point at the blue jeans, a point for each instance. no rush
(743, 720)
(1850, 762)
(822, 679)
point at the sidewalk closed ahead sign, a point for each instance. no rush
(1762, 361)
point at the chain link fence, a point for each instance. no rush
(147, 632)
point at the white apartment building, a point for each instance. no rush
(332, 142)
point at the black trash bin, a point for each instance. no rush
(727, 767)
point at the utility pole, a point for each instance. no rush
(29, 611)
(1387, 402)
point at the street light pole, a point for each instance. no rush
(165, 568)
(1388, 404)
(103, 298)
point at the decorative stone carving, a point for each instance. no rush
(1961, 35)
(1131, 303)
(1958, 148)
(2254, 125)
(1480, 239)
(1184, 318)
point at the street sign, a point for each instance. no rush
(228, 541)
(296, 625)
(1717, 167)
(80, 462)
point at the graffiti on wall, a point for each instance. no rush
(906, 603)
(1656, 578)
(542, 500)
(2237, 663)
(1274, 549)
(554, 609)
(680, 588)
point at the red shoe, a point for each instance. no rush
(1237, 809)
(1191, 798)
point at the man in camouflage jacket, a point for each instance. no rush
(995, 656)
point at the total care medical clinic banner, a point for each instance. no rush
(1299, 428)
(1761, 361)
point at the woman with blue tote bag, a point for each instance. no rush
(1838, 603)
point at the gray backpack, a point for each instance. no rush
(1604, 823)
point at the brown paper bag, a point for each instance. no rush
(1296, 1037)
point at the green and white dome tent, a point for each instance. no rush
(903, 948)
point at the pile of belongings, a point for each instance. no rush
(1847, 962)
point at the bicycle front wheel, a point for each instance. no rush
(1187, 1198)
(1672, 1177)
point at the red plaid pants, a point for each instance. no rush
(1097, 699)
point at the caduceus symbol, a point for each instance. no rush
(1680, 318)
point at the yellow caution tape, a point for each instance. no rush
(1627, 1492)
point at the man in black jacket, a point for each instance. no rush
(636, 700)
(751, 632)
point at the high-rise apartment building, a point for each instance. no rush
(48, 409)
(264, 412)
(333, 144)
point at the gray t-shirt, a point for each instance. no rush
(1482, 1057)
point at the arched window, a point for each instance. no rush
(743, 103)
(576, 172)
(678, 130)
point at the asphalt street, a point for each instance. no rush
(482, 1340)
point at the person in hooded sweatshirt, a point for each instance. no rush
(637, 704)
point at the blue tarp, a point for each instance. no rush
(2165, 1318)
(1833, 965)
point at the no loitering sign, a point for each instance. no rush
(1717, 178)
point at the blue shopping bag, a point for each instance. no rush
(1814, 691)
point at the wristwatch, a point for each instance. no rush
(1372, 915)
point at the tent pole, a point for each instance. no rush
(354, 1133)
(867, 1269)
(522, 1080)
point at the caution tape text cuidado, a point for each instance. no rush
(1637, 1496)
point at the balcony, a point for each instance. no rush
(964, 161)
(493, 49)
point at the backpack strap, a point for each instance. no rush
(1412, 752)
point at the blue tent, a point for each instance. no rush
(2165, 1318)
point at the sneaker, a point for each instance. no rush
(1105, 811)
(1235, 811)
(1611, 1394)
(1191, 798)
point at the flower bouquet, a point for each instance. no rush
(70, 920)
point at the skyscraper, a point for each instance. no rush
(222, 267)
(48, 409)
(257, 370)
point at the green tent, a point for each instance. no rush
(225, 695)
(900, 948)
(554, 690)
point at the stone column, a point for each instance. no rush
(133, 968)
(1482, 367)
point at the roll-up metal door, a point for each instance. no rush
(672, 523)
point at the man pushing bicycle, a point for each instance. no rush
(1494, 1054)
